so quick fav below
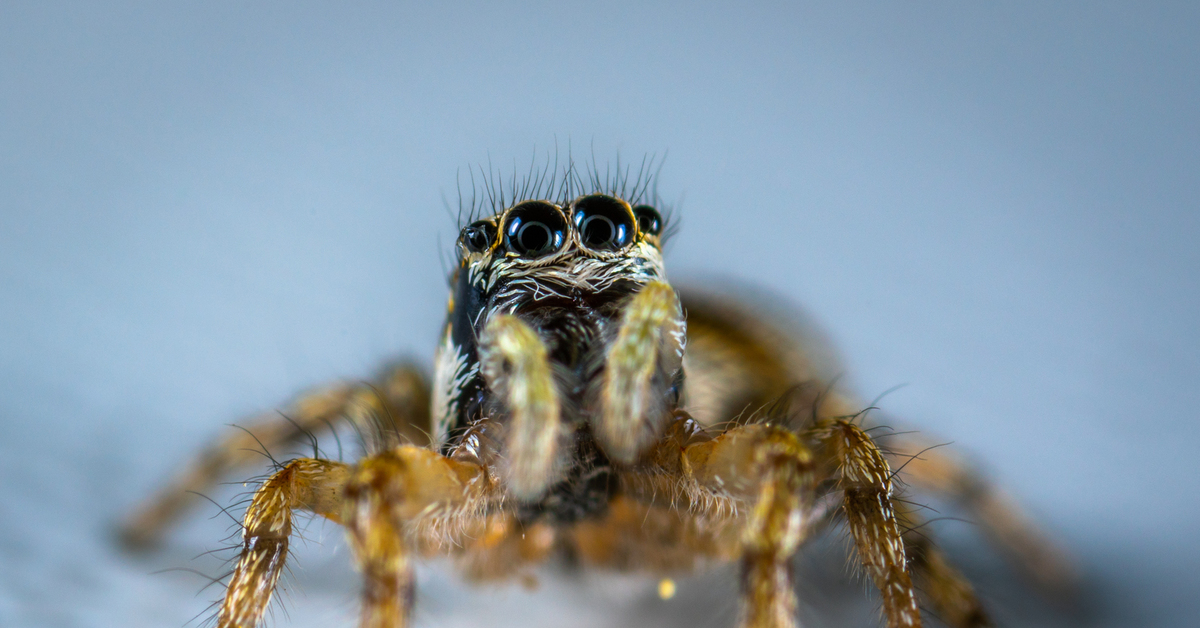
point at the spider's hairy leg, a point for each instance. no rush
(936, 470)
(866, 481)
(946, 591)
(775, 530)
(762, 466)
(386, 496)
(640, 366)
(303, 484)
(516, 366)
(239, 448)
(397, 409)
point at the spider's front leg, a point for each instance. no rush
(303, 484)
(382, 501)
(866, 481)
(386, 498)
(772, 468)
(781, 516)
(763, 466)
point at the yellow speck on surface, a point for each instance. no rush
(666, 588)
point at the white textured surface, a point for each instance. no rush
(204, 208)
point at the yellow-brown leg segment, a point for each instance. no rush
(640, 366)
(392, 497)
(303, 484)
(866, 481)
(763, 467)
(945, 590)
(397, 409)
(776, 528)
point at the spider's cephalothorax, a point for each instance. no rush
(567, 275)
(560, 424)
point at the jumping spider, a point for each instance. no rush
(581, 406)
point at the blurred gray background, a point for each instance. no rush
(206, 207)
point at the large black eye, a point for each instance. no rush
(603, 222)
(649, 220)
(534, 229)
(478, 236)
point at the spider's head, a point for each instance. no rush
(564, 268)
(537, 255)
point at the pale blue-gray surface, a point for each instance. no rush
(205, 207)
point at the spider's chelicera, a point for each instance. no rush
(581, 406)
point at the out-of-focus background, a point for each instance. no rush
(206, 207)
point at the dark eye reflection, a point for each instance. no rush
(603, 222)
(534, 228)
(478, 236)
(649, 220)
(599, 230)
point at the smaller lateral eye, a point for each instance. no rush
(478, 236)
(648, 219)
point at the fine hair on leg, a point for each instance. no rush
(391, 499)
(763, 469)
(303, 484)
(777, 527)
(866, 481)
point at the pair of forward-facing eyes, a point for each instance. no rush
(539, 228)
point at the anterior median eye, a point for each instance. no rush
(478, 236)
(648, 219)
(534, 228)
(603, 222)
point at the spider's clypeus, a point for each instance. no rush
(580, 405)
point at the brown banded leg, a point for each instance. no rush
(394, 497)
(304, 484)
(936, 470)
(398, 408)
(866, 481)
(761, 467)
(775, 531)
(640, 366)
(946, 592)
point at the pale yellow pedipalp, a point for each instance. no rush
(516, 366)
(651, 333)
